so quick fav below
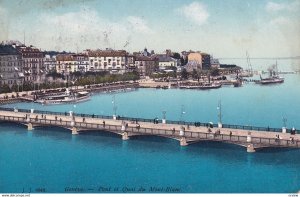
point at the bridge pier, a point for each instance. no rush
(29, 126)
(250, 148)
(74, 131)
(125, 136)
(183, 141)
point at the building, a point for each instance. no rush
(169, 52)
(82, 62)
(206, 63)
(215, 63)
(50, 62)
(194, 61)
(131, 63)
(145, 65)
(108, 60)
(165, 62)
(34, 68)
(11, 63)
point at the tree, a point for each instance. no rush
(214, 72)
(194, 74)
(184, 74)
(176, 56)
(27, 86)
(4, 88)
(181, 61)
(14, 88)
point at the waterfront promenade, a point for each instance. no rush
(185, 134)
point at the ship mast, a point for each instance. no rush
(249, 64)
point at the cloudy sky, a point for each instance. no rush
(224, 28)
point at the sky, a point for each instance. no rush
(223, 28)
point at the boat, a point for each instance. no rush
(237, 83)
(64, 97)
(271, 80)
(249, 71)
(203, 86)
(273, 77)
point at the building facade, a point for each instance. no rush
(11, 63)
(65, 64)
(145, 65)
(108, 60)
(206, 61)
(50, 62)
(34, 68)
(165, 62)
(194, 61)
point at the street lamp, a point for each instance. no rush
(164, 117)
(284, 120)
(220, 114)
(114, 107)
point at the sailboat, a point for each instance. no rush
(273, 77)
(249, 71)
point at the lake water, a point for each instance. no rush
(53, 160)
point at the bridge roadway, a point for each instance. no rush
(250, 139)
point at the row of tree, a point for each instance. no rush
(76, 79)
(197, 74)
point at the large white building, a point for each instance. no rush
(165, 62)
(108, 60)
(70, 63)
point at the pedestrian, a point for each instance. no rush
(83, 119)
(292, 140)
(55, 117)
(103, 123)
(230, 134)
(60, 120)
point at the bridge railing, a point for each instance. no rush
(163, 132)
(155, 120)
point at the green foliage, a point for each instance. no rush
(14, 88)
(4, 88)
(176, 56)
(184, 74)
(214, 72)
(55, 75)
(27, 86)
(105, 77)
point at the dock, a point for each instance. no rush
(186, 134)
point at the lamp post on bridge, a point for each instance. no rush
(183, 141)
(164, 117)
(115, 107)
(220, 114)
(284, 120)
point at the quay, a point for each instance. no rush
(127, 128)
(28, 96)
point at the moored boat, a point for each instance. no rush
(64, 97)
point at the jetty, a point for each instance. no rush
(252, 138)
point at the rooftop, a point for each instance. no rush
(107, 53)
(8, 50)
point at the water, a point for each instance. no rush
(54, 160)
